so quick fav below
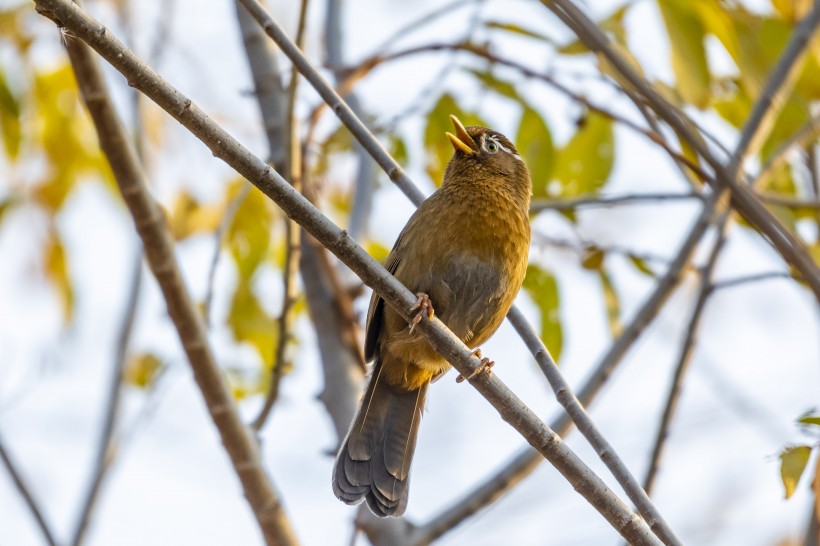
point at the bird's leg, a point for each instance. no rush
(485, 367)
(425, 307)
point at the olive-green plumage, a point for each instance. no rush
(466, 248)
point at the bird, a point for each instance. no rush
(464, 253)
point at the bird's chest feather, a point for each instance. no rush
(471, 263)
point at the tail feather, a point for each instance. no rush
(374, 461)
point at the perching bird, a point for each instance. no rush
(464, 251)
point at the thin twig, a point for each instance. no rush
(159, 250)
(572, 203)
(28, 497)
(290, 269)
(789, 202)
(687, 350)
(219, 236)
(584, 246)
(748, 279)
(224, 146)
(108, 444)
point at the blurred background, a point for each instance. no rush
(100, 418)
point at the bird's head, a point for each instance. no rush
(486, 155)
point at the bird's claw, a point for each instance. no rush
(485, 367)
(424, 306)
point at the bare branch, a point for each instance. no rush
(219, 235)
(292, 171)
(108, 446)
(747, 279)
(539, 205)
(686, 352)
(224, 146)
(28, 497)
(159, 250)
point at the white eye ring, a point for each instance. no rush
(491, 146)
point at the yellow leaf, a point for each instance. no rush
(792, 463)
(249, 322)
(189, 217)
(57, 272)
(248, 236)
(686, 34)
(142, 370)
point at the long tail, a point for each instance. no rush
(374, 460)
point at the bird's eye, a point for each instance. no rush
(491, 146)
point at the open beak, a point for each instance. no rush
(461, 140)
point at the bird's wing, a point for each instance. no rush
(376, 310)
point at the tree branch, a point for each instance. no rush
(539, 205)
(159, 250)
(27, 495)
(222, 145)
(293, 172)
(686, 352)
(107, 447)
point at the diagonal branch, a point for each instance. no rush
(159, 251)
(686, 352)
(224, 146)
(293, 172)
(108, 444)
(21, 486)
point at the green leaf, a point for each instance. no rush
(810, 420)
(438, 147)
(686, 34)
(593, 258)
(397, 149)
(612, 303)
(534, 143)
(517, 29)
(9, 119)
(612, 25)
(585, 163)
(503, 88)
(641, 265)
(339, 141)
(248, 236)
(792, 463)
(543, 289)
(249, 322)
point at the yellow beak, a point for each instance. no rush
(461, 140)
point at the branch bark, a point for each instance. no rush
(107, 447)
(27, 495)
(159, 251)
(685, 357)
(337, 241)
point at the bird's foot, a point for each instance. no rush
(485, 367)
(424, 306)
